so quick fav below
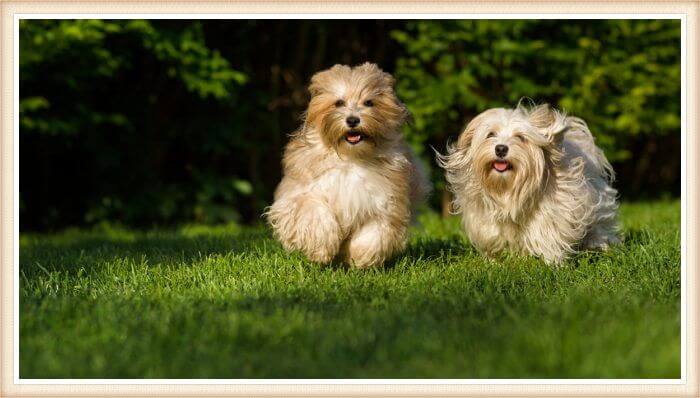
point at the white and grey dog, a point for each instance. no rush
(532, 180)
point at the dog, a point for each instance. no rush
(350, 182)
(533, 181)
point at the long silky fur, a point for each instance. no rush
(558, 198)
(342, 202)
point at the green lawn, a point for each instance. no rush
(227, 302)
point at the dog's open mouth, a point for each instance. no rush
(354, 137)
(501, 165)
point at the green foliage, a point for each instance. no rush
(621, 76)
(104, 88)
(84, 45)
(149, 122)
(228, 302)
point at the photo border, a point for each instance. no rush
(12, 11)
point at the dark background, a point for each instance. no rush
(162, 122)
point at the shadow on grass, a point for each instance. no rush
(630, 239)
(72, 252)
(428, 248)
(170, 247)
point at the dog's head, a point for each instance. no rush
(509, 153)
(355, 110)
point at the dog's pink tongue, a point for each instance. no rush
(500, 165)
(354, 138)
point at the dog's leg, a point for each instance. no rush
(484, 234)
(605, 231)
(374, 242)
(306, 223)
(602, 236)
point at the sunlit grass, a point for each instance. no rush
(228, 302)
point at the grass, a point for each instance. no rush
(227, 302)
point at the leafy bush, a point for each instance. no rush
(119, 109)
(147, 122)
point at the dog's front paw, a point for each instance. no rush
(321, 252)
(317, 233)
(373, 244)
(601, 242)
(308, 225)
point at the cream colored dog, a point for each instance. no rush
(532, 180)
(349, 179)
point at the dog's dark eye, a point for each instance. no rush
(491, 134)
(369, 103)
(339, 103)
(520, 137)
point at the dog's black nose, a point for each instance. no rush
(501, 150)
(352, 121)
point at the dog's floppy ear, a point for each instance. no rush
(542, 116)
(465, 139)
(406, 114)
(549, 121)
(374, 71)
(317, 82)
